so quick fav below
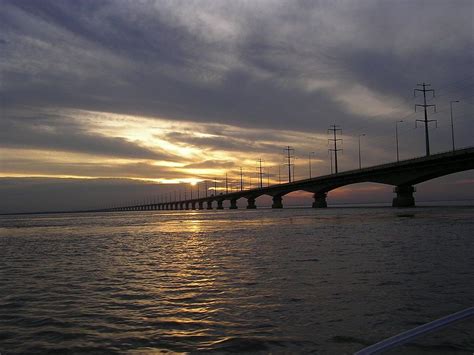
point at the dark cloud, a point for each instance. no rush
(211, 164)
(132, 170)
(57, 133)
(237, 141)
(288, 65)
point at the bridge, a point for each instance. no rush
(403, 175)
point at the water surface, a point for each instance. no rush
(292, 281)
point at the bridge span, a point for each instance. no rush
(403, 175)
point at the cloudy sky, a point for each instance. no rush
(109, 101)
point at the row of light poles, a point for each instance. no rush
(312, 154)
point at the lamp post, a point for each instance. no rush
(241, 180)
(226, 184)
(396, 138)
(452, 122)
(309, 163)
(360, 160)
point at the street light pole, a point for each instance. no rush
(309, 163)
(396, 138)
(241, 180)
(360, 161)
(452, 122)
(226, 184)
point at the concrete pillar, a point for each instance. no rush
(193, 205)
(186, 205)
(277, 202)
(320, 200)
(200, 204)
(251, 203)
(404, 196)
(233, 204)
(220, 205)
(209, 205)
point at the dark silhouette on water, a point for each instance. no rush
(401, 174)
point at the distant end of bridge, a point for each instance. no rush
(403, 175)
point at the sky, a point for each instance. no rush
(110, 102)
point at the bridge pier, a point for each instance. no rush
(186, 206)
(220, 204)
(233, 204)
(277, 202)
(251, 203)
(320, 200)
(209, 205)
(404, 196)
(193, 205)
(200, 205)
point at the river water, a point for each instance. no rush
(283, 281)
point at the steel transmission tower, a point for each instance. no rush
(426, 121)
(260, 172)
(289, 155)
(334, 129)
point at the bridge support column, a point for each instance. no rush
(181, 206)
(404, 196)
(186, 206)
(200, 205)
(251, 203)
(320, 200)
(277, 202)
(220, 205)
(193, 205)
(233, 204)
(209, 205)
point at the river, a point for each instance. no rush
(328, 281)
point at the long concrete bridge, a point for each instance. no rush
(403, 175)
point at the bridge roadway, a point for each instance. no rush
(403, 175)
